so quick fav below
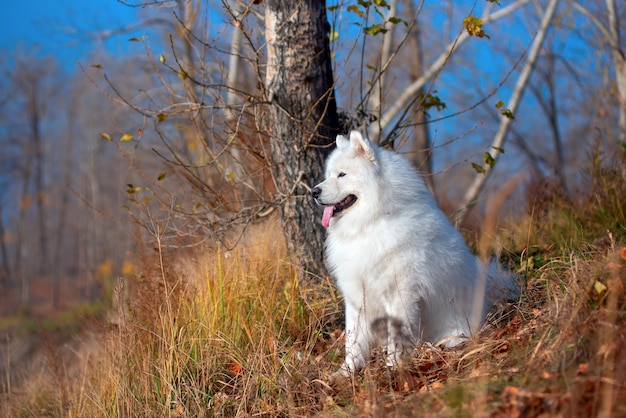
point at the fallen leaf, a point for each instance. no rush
(235, 367)
(546, 375)
(599, 287)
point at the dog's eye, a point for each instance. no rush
(341, 174)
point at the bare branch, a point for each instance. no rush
(498, 140)
(409, 93)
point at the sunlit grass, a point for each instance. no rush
(241, 331)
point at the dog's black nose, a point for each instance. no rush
(316, 192)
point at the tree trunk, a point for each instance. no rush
(5, 276)
(302, 119)
(419, 146)
(619, 64)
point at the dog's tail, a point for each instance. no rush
(502, 284)
(495, 287)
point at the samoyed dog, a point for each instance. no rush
(406, 274)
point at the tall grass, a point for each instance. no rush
(238, 340)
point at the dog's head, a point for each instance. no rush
(350, 171)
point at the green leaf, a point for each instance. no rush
(161, 117)
(500, 104)
(334, 35)
(355, 9)
(162, 58)
(106, 136)
(489, 160)
(381, 3)
(134, 39)
(161, 176)
(364, 3)
(374, 29)
(507, 113)
(98, 66)
(478, 168)
(430, 100)
(396, 20)
(126, 138)
(332, 8)
(499, 149)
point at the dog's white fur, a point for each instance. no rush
(405, 272)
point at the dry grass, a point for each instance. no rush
(235, 334)
(246, 339)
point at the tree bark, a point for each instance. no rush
(302, 119)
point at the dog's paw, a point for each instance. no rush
(331, 383)
(340, 376)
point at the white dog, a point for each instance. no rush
(405, 272)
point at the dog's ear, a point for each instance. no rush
(362, 146)
(341, 141)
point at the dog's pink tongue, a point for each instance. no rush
(328, 213)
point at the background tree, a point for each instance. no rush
(53, 195)
(607, 22)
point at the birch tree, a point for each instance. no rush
(507, 117)
(611, 34)
(401, 104)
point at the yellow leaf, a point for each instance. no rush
(599, 287)
(128, 268)
(106, 136)
(474, 26)
(126, 137)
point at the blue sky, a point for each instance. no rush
(63, 28)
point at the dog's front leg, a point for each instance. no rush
(403, 330)
(357, 346)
